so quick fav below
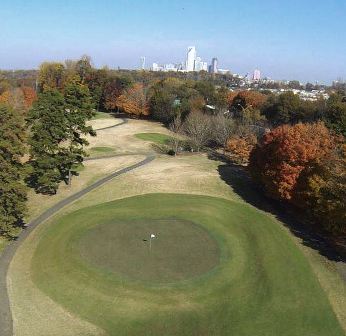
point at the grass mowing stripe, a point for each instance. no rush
(264, 285)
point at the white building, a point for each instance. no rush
(256, 75)
(191, 59)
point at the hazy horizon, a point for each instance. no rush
(295, 40)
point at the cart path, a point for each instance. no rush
(6, 322)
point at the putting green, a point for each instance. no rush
(247, 276)
(179, 251)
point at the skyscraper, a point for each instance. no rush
(214, 65)
(256, 75)
(143, 63)
(190, 59)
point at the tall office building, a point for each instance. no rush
(256, 75)
(214, 65)
(143, 63)
(191, 59)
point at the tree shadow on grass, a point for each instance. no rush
(239, 179)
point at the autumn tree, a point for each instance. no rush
(29, 96)
(246, 99)
(113, 90)
(51, 76)
(320, 191)
(280, 157)
(240, 147)
(12, 190)
(134, 101)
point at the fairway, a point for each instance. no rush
(216, 268)
(159, 138)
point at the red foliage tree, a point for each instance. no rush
(282, 155)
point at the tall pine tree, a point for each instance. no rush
(12, 190)
(58, 124)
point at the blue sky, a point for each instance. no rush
(303, 40)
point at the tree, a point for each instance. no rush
(321, 192)
(241, 147)
(51, 76)
(12, 190)
(134, 101)
(281, 156)
(84, 68)
(197, 127)
(176, 126)
(163, 105)
(335, 114)
(58, 123)
(288, 108)
(222, 130)
(29, 96)
(246, 99)
(113, 89)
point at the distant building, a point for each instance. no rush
(143, 63)
(192, 63)
(224, 71)
(256, 75)
(214, 66)
(191, 59)
(157, 67)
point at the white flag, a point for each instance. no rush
(152, 236)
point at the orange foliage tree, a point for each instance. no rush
(240, 147)
(247, 98)
(134, 101)
(281, 156)
(29, 95)
(321, 191)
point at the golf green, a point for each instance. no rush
(160, 251)
(216, 268)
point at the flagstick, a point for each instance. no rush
(150, 245)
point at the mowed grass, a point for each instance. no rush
(180, 249)
(158, 138)
(102, 115)
(101, 151)
(263, 285)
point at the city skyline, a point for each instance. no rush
(291, 40)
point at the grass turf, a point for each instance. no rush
(101, 151)
(102, 115)
(262, 286)
(180, 250)
(158, 138)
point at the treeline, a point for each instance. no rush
(41, 138)
(294, 149)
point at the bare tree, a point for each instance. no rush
(176, 127)
(197, 126)
(223, 128)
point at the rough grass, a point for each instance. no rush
(158, 138)
(263, 285)
(102, 115)
(3, 243)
